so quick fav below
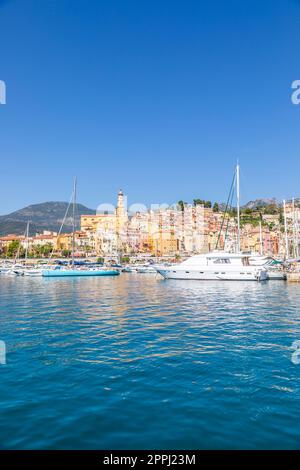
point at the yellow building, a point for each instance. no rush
(64, 242)
(88, 223)
(108, 228)
(164, 243)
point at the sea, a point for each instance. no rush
(139, 362)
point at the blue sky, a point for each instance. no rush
(158, 98)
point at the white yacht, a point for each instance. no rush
(215, 266)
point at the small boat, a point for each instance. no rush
(146, 270)
(34, 272)
(128, 269)
(4, 269)
(18, 269)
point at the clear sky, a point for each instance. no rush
(157, 97)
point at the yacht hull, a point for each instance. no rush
(211, 275)
(276, 276)
(75, 273)
(33, 272)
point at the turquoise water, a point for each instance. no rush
(136, 362)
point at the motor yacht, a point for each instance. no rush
(215, 266)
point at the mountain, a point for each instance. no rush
(257, 203)
(44, 216)
(262, 203)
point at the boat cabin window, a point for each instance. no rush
(245, 261)
(222, 261)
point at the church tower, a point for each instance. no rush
(121, 221)
(120, 204)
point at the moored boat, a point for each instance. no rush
(79, 272)
(215, 266)
(75, 269)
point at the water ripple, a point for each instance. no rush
(139, 362)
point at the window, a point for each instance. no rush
(222, 261)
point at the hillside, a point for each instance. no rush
(44, 216)
(262, 203)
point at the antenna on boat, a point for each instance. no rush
(74, 225)
(238, 248)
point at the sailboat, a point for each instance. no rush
(28, 270)
(74, 270)
(218, 265)
(19, 268)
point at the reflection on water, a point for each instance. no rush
(139, 362)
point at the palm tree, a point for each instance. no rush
(181, 204)
(198, 202)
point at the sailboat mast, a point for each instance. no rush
(260, 238)
(285, 232)
(74, 225)
(27, 240)
(238, 207)
(294, 229)
(297, 231)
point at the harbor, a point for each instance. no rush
(227, 261)
(149, 233)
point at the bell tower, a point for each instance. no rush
(121, 221)
(120, 205)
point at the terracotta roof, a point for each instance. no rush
(44, 237)
(12, 238)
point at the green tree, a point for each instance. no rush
(66, 253)
(216, 207)
(35, 251)
(46, 249)
(247, 211)
(181, 205)
(281, 217)
(271, 209)
(198, 202)
(207, 204)
(13, 248)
